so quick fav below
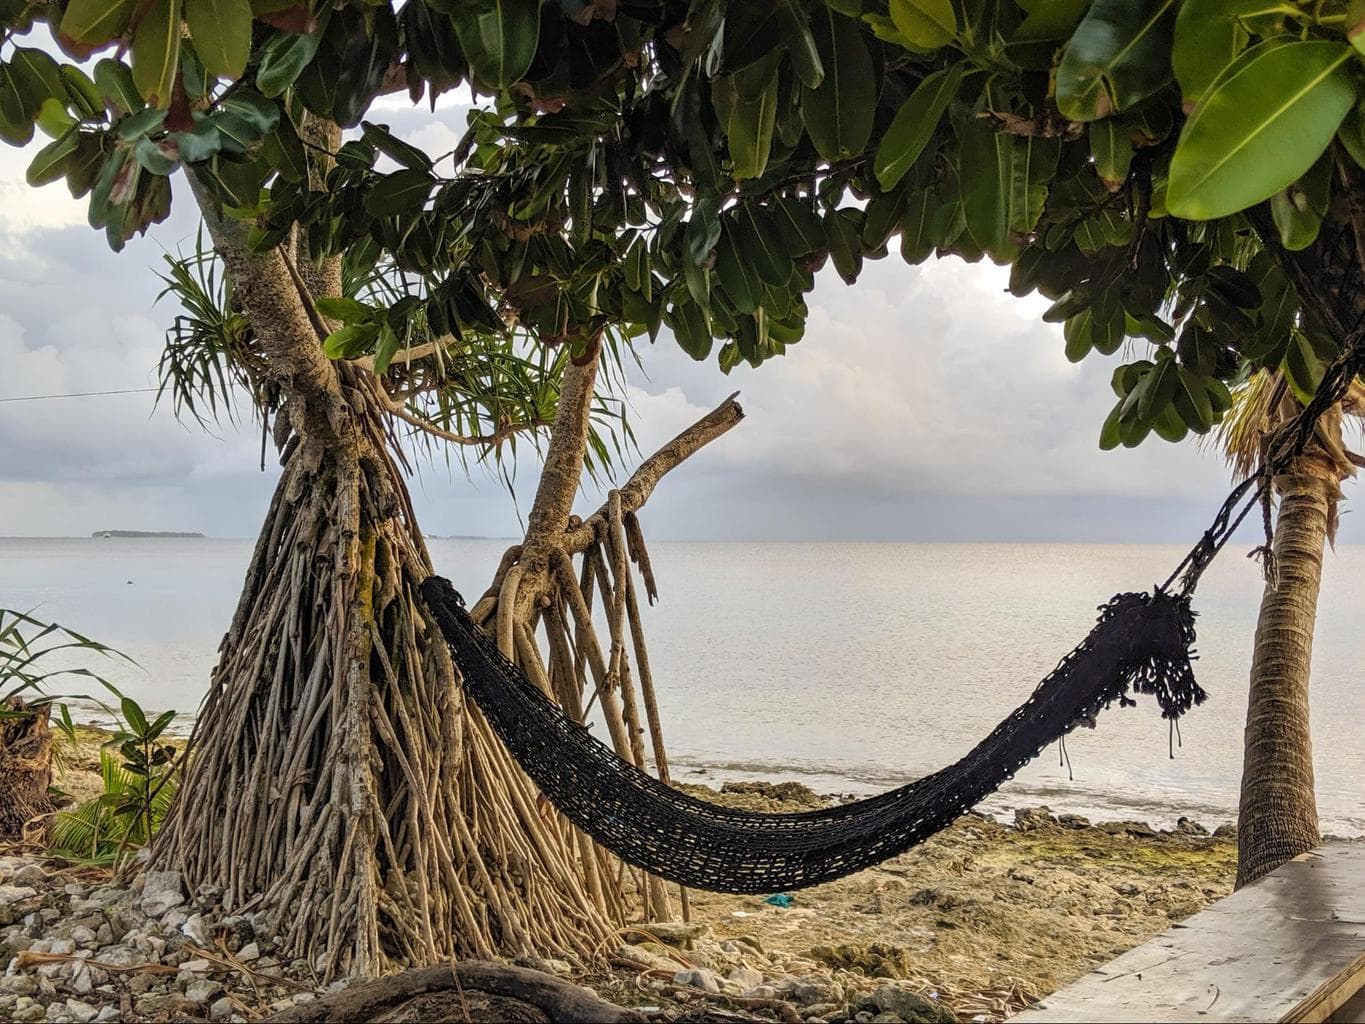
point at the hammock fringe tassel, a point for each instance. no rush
(1141, 644)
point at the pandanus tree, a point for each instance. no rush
(1180, 179)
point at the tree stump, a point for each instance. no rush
(25, 767)
(471, 990)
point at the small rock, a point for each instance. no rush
(887, 1018)
(760, 992)
(17, 901)
(200, 992)
(195, 929)
(30, 874)
(161, 891)
(109, 1013)
(1190, 828)
(251, 951)
(199, 966)
(27, 1010)
(1075, 821)
(81, 1013)
(83, 937)
(1028, 819)
(745, 977)
(222, 1009)
(698, 978)
(1227, 830)
(908, 1005)
(808, 989)
(173, 919)
(19, 984)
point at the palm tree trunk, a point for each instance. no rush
(1278, 817)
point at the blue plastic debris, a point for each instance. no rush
(780, 899)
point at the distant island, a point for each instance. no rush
(141, 533)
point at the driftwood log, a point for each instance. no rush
(472, 990)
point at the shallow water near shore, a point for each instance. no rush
(849, 667)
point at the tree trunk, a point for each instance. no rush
(1278, 818)
(336, 778)
(25, 768)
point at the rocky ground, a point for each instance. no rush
(975, 923)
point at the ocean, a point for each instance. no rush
(849, 667)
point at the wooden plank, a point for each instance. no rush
(1290, 947)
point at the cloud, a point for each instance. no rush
(923, 403)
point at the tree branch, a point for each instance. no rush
(642, 483)
(408, 355)
(400, 410)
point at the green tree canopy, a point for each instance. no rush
(650, 163)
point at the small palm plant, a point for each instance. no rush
(141, 775)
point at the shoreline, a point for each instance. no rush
(982, 918)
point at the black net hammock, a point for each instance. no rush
(1142, 644)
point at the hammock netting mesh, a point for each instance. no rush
(1142, 644)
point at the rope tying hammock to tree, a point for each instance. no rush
(1142, 644)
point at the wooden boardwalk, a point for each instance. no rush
(1290, 947)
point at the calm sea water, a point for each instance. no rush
(851, 667)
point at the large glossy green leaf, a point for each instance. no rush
(914, 125)
(752, 114)
(402, 192)
(838, 113)
(283, 60)
(927, 24)
(1264, 124)
(1004, 181)
(221, 31)
(156, 51)
(498, 37)
(800, 43)
(1208, 35)
(1118, 55)
(96, 21)
(116, 85)
(49, 163)
(1111, 146)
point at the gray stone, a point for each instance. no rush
(30, 874)
(173, 919)
(17, 901)
(199, 966)
(745, 977)
(19, 984)
(249, 952)
(1190, 827)
(161, 891)
(1075, 821)
(908, 1005)
(808, 989)
(1227, 830)
(887, 1018)
(222, 1009)
(862, 1017)
(698, 978)
(162, 1004)
(1028, 819)
(195, 929)
(760, 992)
(645, 958)
(200, 992)
(108, 1014)
(81, 1013)
(83, 937)
(27, 1010)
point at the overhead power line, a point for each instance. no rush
(79, 394)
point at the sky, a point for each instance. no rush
(924, 404)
